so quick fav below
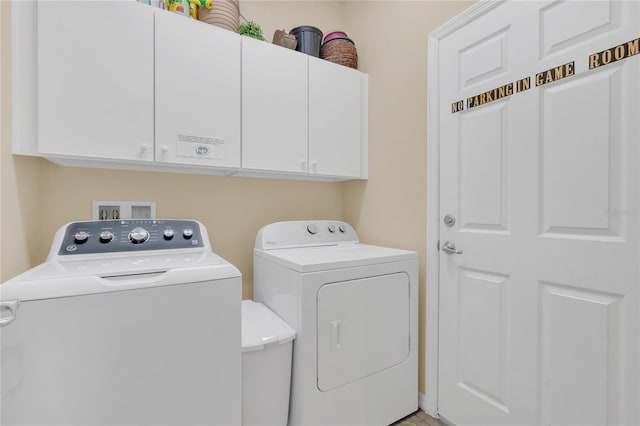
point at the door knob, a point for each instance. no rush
(450, 248)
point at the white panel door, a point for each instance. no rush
(335, 119)
(197, 88)
(539, 315)
(95, 79)
(274, 107)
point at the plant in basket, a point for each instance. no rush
(251, 29)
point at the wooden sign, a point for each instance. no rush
(490, 96)
(555, 74)
(613, 54)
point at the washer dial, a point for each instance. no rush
(138, 235)
(106, 236)
(81, 237)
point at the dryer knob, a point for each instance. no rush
(168, 233)
(313, 229)
(81, 237)
(187, 233)
(138, 235)
(342, 228)
(332, 228)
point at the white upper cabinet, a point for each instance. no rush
(336, 116)
(274, 108)
(197, 93)
(95, 79)
(123, 85)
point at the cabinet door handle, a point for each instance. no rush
(314, 165)
(164, 149)
(303, 165)
(144, 147)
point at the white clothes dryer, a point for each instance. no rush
(354, 308)
(127, 322)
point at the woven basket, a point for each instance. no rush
(224, 14)
(340, 51)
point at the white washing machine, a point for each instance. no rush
(354, 308)
(127, 322)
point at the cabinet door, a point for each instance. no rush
(95, 79)
(335, 114)
(197, 92)
(274, 107)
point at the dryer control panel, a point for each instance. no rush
(111, 236)
(304, 233)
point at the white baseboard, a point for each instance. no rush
(422, 401)
(423, 404)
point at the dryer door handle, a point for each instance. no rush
(335, 336)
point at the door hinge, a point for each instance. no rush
(438, 245)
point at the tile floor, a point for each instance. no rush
(419, 418)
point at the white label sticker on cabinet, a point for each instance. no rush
(200, 147)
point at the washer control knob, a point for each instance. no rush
(332, 228)
(81, 237)
(106, 236)
(168, 234)
(343, 228)
(312, 228)
(138, 235)
(187, 233)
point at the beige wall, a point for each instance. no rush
(388, 209)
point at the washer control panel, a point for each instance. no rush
(112, 236)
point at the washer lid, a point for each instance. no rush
(108, 273)
(346, 255)
(262, 327)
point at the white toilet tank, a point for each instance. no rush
(267, 343)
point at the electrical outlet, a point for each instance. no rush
(110, 210)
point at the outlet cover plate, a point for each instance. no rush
(108, 210)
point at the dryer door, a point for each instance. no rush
(363, 328)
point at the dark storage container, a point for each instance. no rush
(309, 39)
